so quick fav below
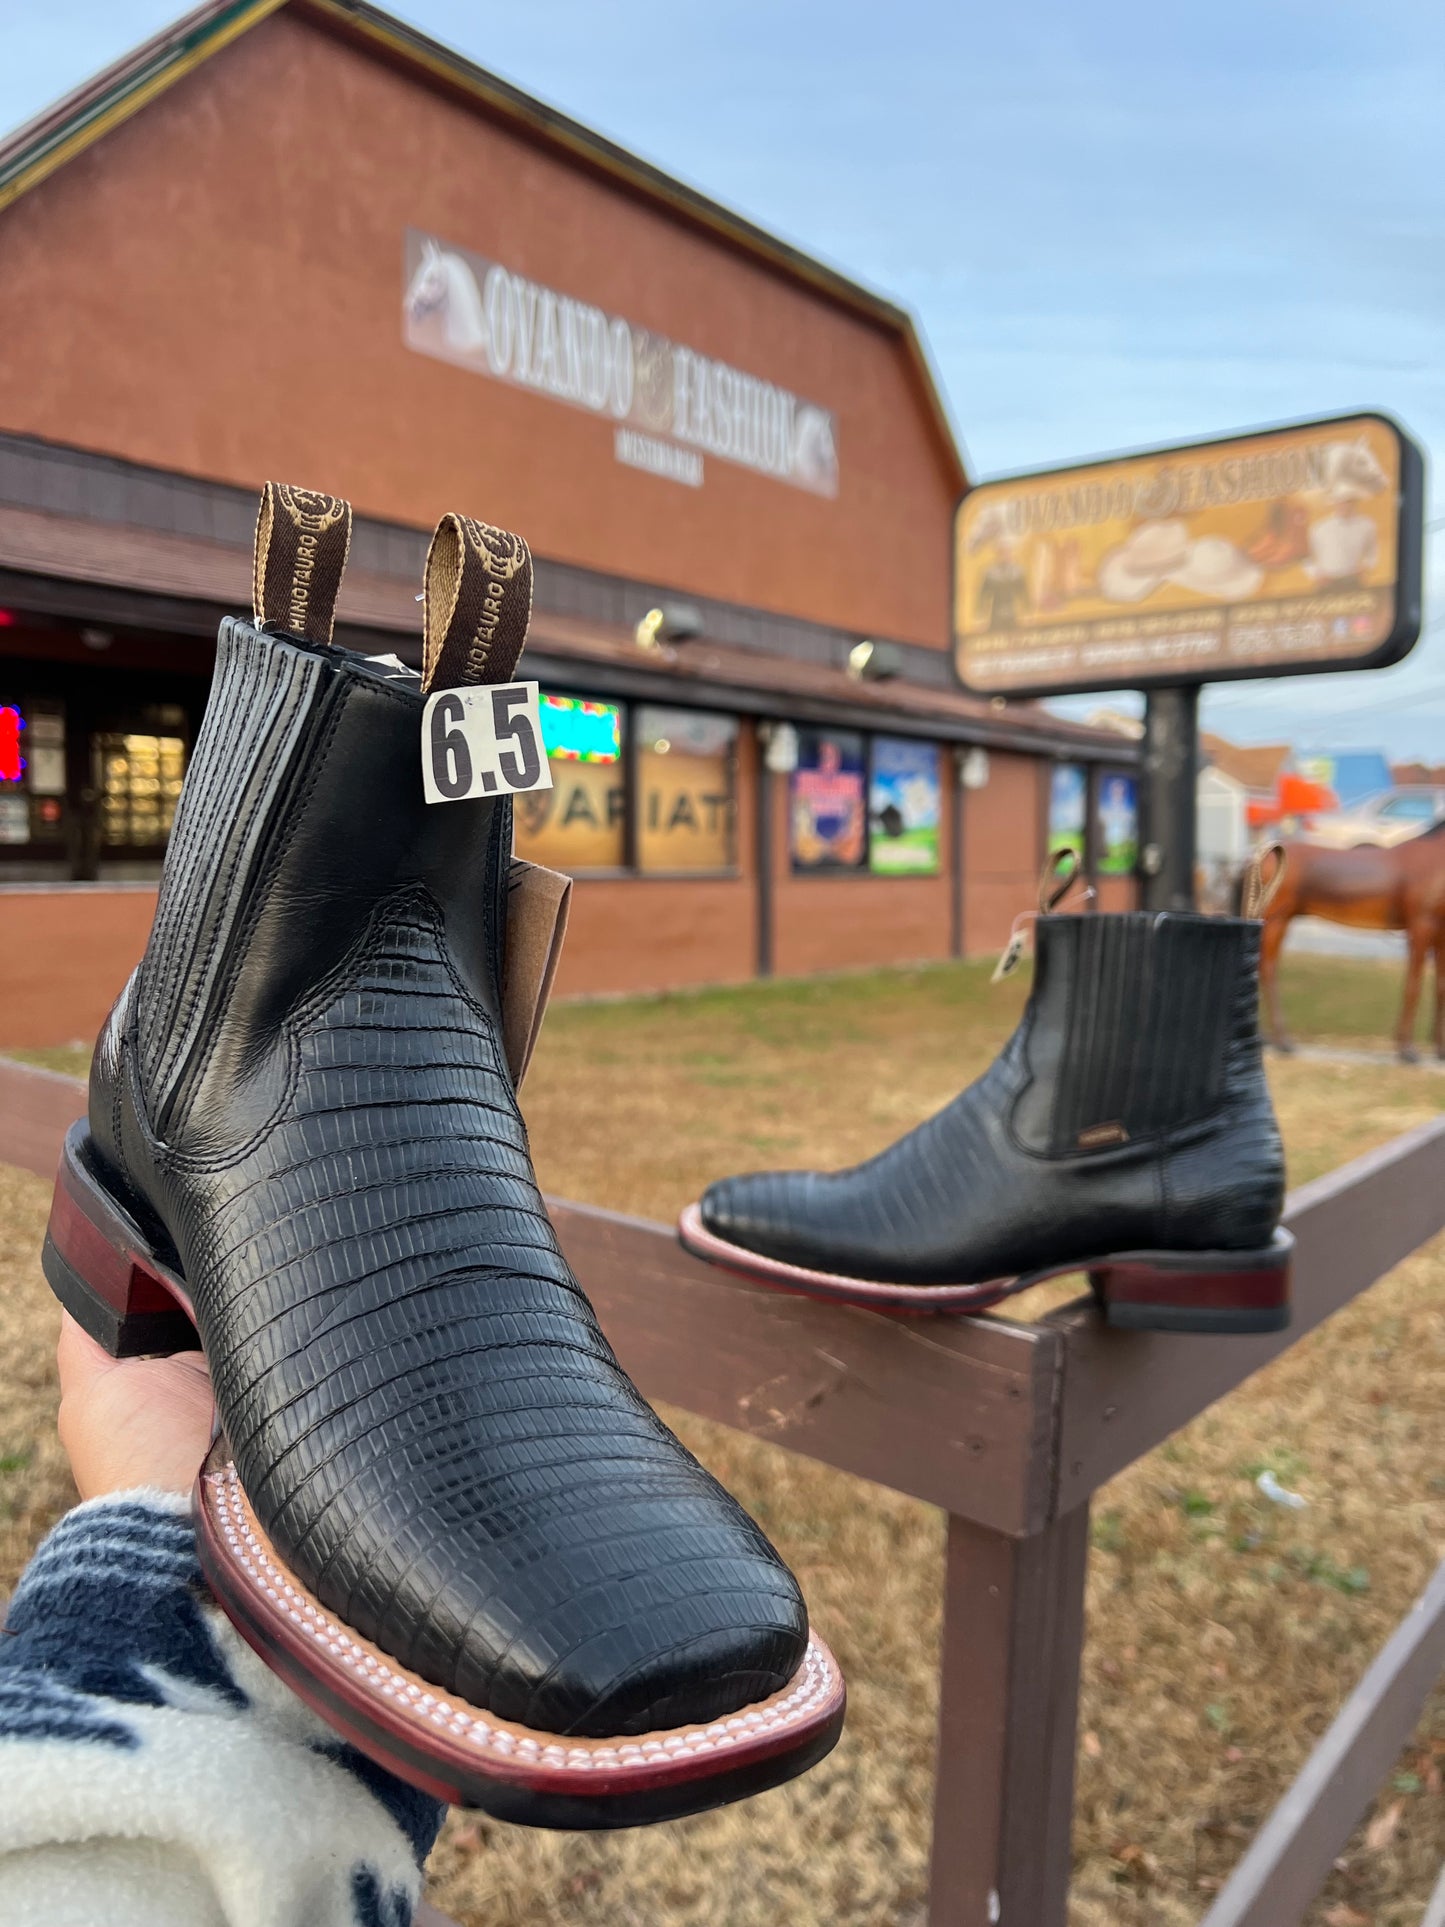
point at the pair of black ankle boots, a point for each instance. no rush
(435, 1503)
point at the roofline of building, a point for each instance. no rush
(33, 152)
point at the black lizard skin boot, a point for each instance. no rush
(437, 1505)
(1126, 1130)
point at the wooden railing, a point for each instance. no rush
(1011, 1428)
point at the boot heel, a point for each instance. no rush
(1197, 1291)
(103, 1268)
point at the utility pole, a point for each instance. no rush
(1171, 767)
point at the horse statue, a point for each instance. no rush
(1372, 889)
(443, 285)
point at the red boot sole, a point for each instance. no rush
(469, 1757)
(1199, 1291)
(105, 1270)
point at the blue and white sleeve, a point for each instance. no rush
(156, 1774)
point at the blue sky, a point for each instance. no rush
(1119, 223)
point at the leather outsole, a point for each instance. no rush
(469, 1757)
(695, 1237)
(1205, 1291)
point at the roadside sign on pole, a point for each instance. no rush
(1281, 552)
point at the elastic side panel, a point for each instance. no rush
(1103, 1018)
(261, 697)
(1178, 1073)
(1148, 1021)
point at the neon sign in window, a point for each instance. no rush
(578, 731)
(12, 763)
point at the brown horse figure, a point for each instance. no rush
(1373, 889)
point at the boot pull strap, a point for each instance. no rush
(1062, 874)
(302, 541)
(1263, 874)
(478, 603)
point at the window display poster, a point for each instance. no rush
(685, 771)
(580, 823)
(1068, 808)
(828, 828)
(576, 730)
(1118, 819)
(903, 808)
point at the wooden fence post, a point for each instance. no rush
(1013, 1633)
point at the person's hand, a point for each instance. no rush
(126, 1422)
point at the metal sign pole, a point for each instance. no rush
(1171, 768)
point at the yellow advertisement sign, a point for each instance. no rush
(1264, 555)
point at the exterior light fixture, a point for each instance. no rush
(973, 768)
(873, 661)
(780, 747)
(668, 622)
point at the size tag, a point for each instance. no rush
(483, 741)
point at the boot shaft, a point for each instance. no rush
(302, 814)
(1140, 1024)
(303, 819)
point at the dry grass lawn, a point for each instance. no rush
(1224, 1631)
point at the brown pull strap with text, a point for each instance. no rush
(478, 597)
(1062, 875)
(302, 541)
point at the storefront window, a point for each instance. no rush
(139, 780)
(1068, 808)
(828, 822)
(686, 787)
(903, 808)
(581, 822)
(1117, 817)
(14, 761)
(32, 772)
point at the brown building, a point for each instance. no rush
(294, 238)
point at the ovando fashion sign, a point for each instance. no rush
(670, 406)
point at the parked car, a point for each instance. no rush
(1391, 817)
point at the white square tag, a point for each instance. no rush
(482, 741)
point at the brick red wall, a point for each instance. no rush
(216, 287)
(64, 956)
(67, 951)
(651, 933)
(835, 922)
(1003, 843)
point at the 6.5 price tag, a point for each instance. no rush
(484, 741)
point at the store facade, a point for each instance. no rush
(731, 463)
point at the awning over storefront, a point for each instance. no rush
(88, 538)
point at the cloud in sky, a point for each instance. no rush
(1119, 223)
